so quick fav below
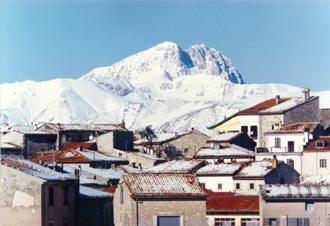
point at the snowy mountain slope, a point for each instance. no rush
(165, 62)
(83, 101)
(164, 86)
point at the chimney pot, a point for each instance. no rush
(278, 99)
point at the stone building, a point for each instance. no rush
(159, 200)
(305, 205)
(28, 142)
(67, 133)
(35, 195)
(173, 145)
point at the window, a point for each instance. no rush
(244, 129)
(319, 144)
(250, 222)
(224, 222)
(251, 186)
(66, 195)
(185, 150)
(168, 220)
(238, 186)
(202, 185)
(323, 163)
(254, 131)
(272, 222)
(51, 196)
(219, 186)
(298, 221)
(290, 163)
(309, 206)
(290, 146)
(277, 142)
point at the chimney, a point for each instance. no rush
(274, 162)
(306, 92)
(278, 99)
(76, 173)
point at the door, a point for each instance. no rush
(290, 146)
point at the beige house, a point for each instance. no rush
(35, 195)
(159, 200)
(269, 115)
(305, 205)
(316, 158)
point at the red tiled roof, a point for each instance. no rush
(75, 145)
(312, 147)
(61, 156)
(262, 106)
(231, 202)
(110, 189)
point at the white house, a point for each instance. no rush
(218, 178)
(316, 158)
(287, 142)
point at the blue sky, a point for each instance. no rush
(268, 42)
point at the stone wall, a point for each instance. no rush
(191, 212)
(21, 201)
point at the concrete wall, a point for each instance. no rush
(306, 112)
(325, 117)
(283, 210)
(21, 202)
(311, 163)
(191, 212)
(104, 142)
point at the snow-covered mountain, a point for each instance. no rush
(164, 86)
(165, 62)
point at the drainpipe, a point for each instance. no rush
(137, 211)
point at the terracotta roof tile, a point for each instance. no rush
(163, 185)
(314, 147)
(262, 106)
(231, 202)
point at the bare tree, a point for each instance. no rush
(148, 133)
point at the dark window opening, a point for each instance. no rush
(244, 129)
(254, 131)
(66, 195)
(51, 196)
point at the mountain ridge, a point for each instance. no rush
(175, 101)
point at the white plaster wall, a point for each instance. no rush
(298, 139)
(104, 142)
(251, 120)
(245, 186)
(211, 183)
(311, 163)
